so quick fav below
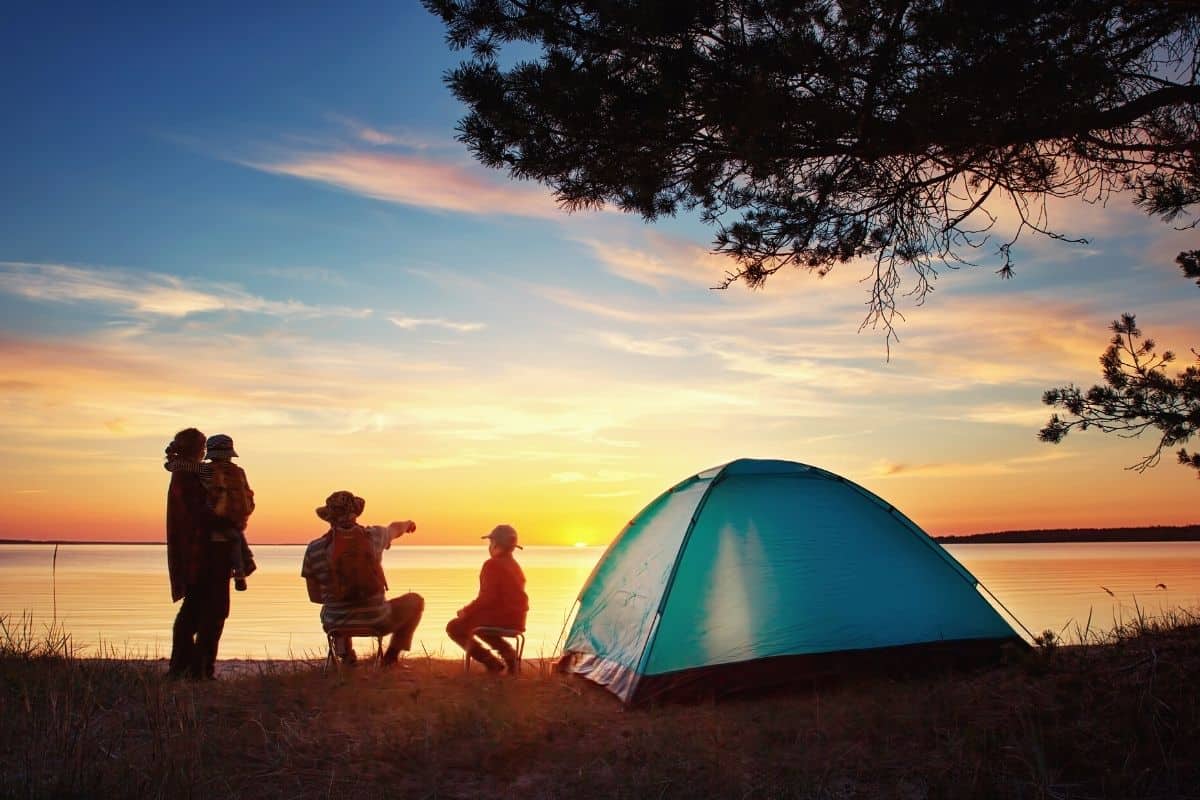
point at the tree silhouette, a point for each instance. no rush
(1137, 396)
(814, 132)
(1189, 262)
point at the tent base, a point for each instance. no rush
(764, 674)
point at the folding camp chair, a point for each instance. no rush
(517, 636)
(350, 632)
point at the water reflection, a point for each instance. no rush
(116, 599)
(1059, 586)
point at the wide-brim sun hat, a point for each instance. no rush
(341, 505)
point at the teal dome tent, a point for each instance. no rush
(759, 570)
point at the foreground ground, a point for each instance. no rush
(1118, 719)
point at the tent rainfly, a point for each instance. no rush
(760, 570)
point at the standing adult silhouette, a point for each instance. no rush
(198, 566)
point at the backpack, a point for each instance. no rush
(229, 494)
(357, 573)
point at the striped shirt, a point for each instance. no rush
(375, 612)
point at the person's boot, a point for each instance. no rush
(511, 664)
(489, 661)
(207, 668)
(181, 662)
(391, 657)
(343, 648)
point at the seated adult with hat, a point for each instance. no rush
(344, 573)
(501, 603)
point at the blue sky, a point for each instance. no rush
(260, 223)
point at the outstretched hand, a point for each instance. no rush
(402, 527)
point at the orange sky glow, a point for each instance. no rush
(278, 237)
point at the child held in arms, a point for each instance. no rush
(229, 496)
(501, 603)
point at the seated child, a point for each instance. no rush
(501, 603)
(230, 497)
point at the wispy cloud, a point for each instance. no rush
(1071, 217)
(274, 380)
(786, 361)
(614, 310)
(665, 263)
(600, 476)
(409, 323)
(423, 463)
(1018, 464)
(669, 347)
(372, 136)
(1028, 417)
(390, 135)
(147, 293)
(291, 384)
(420, 182)
(817, 364)
(717, 311)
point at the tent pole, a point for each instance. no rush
(1006, 611)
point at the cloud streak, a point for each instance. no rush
(668, 347)
(411, 323)
(377, 137)
(600, 476)
(665, 264)
(391, 136)
(148, 294)
(1016, 465)
(418, 182)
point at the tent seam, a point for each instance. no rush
(687, 537)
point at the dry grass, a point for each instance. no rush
(1115, 716)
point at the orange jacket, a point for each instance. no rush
(502, 601)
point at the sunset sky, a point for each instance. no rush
(263, 226)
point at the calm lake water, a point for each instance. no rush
(114, 599)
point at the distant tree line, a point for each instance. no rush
(1165, 533)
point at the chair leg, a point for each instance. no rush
(330, 655)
